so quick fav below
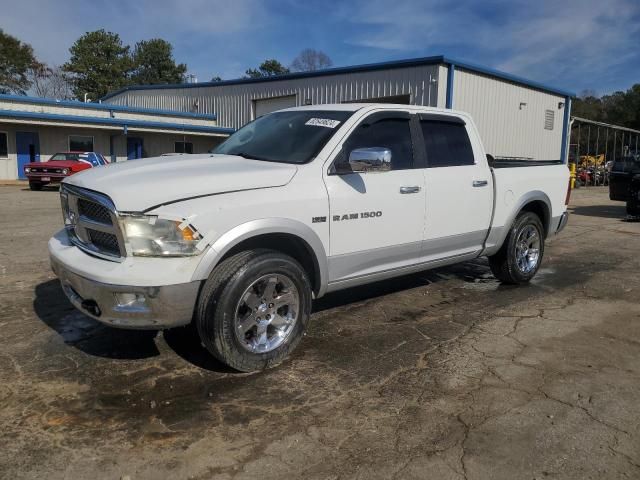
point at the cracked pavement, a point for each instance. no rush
(444, 374)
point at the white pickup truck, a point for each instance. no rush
(296, 204)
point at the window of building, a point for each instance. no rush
(4, 145)
(447, 144)
(183, 147)
(391, 133)
(79, 143)
(549, 117)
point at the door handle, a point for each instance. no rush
(409, 189)
(480, 183)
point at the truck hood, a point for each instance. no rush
(138, 185)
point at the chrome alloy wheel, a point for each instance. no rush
(267, 313)
(528, 249)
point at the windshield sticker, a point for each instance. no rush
(323, 122)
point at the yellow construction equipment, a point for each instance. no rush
(592, 160)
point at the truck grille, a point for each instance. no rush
(91, 222)
(107, 242)
(94, 211)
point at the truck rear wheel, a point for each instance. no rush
(254, 308)
(521, 254)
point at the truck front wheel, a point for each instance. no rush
(521, 254)
(253, 309)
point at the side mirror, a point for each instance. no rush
(376, 159)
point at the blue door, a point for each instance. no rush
(134, 148)
(28, 150)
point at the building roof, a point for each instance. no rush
(412, 62)
(56, 113)
(115, 122)
(104, 106)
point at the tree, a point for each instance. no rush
(16, 60)
(310, 60)
(154, 63)
(268, 68)
(588, 105)
(618, 108)
(99, 64)
(51, 82)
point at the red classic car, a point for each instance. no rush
(60, 166)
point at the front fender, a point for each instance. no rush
(259, 227)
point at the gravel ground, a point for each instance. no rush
(444, 374)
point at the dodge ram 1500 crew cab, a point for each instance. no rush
(296, 204)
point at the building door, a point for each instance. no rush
(27, 149)
(134, 148)
(267, 105)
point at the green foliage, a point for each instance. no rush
(619, 108)
(16, 62)
(268, 68)
(99, 64)
(154, 63)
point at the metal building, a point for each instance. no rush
(516, 117)
(33, 129)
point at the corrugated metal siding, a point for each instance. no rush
(233, 103)
(507, 128)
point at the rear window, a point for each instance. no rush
(447, 144)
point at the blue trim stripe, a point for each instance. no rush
(123, 122)
(412, 62)
(103, 106)
(565, 129)
(450, 73)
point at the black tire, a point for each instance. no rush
(37, 186)
(215, 316)
(504, 264)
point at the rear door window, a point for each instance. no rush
(446, 143)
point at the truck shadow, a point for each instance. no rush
(95, 339)
(88, 335)
(601, 211)
(475, 271)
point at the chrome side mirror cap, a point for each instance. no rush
(372, 159)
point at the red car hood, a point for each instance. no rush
(59, 164)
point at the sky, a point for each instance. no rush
(576, 45)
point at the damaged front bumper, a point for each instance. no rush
(141, 306)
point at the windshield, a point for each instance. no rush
(66, 156)
(287, 137)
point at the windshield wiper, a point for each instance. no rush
(248, 156)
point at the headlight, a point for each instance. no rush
(27, 169)
(65, 171)
(150, 236)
